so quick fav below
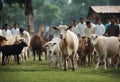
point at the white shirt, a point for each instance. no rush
(26, 37)
(1, 33)
(100, 29)
(15, 31)
(119, 26)
(6, 33)
(89, 31)
(81, 28)
(74, 29)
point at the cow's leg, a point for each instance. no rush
(65, 63)
(76, 60)
(98, 62)
(39, 55)
(18, 62)
(92, 59)
(84, 60)
(61, 60)
(89, 59)
(28, 52)
(73, 62)
(57, 60)
(117, 62)
(3, 60)
(25, 54)
(45, 54)
(7, 59)
(34, 54)
(104, 60)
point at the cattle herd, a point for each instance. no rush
(66, 49)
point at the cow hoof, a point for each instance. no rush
(65, 69)
(3, 64)
(96, 68)
(73, 69)
(40, 60)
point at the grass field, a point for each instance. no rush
(35, 71)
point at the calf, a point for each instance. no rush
(89, 51)
(53, 51)
(81, 50)
(14, 49)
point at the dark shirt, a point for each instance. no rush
(113, 30)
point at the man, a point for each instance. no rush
(90, 29)
(6, 32)
(81, 27)
(113, 29)
(0, 31)
(26, 36)
(74, 27)
(100, 28)
(107, 24)
(15, 30)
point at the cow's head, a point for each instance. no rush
(50, 46)
(23, 44)
(63, 30)
(93, 38)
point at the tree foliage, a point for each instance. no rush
(49, 12)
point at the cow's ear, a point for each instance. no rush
(46, 45)
(55, 28)
(69, 27)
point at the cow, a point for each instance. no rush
(81, 50)
(85, 49)
(106, 47)
(68, 44)
(54, 52)
(89, 51)
(14, 49)
(36, 45)
(2, 42)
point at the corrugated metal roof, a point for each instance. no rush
(106, 9)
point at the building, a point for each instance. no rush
(103, 12)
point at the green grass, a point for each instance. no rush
(35, 71)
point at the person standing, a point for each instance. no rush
(26, 36)
(100, 28)
(113, 29)
(0, 31)
(74, 27)
(81, 27)
(107, 24)
(15, 30)
(6, 32)
(90, 29)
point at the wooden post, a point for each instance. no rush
(29, 24)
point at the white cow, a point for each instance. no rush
(54, 52)
(106, 47)
(68, 44)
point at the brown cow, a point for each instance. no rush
(89, 50)
(81, 50)
(36, 45)
(85, 49)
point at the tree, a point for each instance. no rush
(115, 2)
